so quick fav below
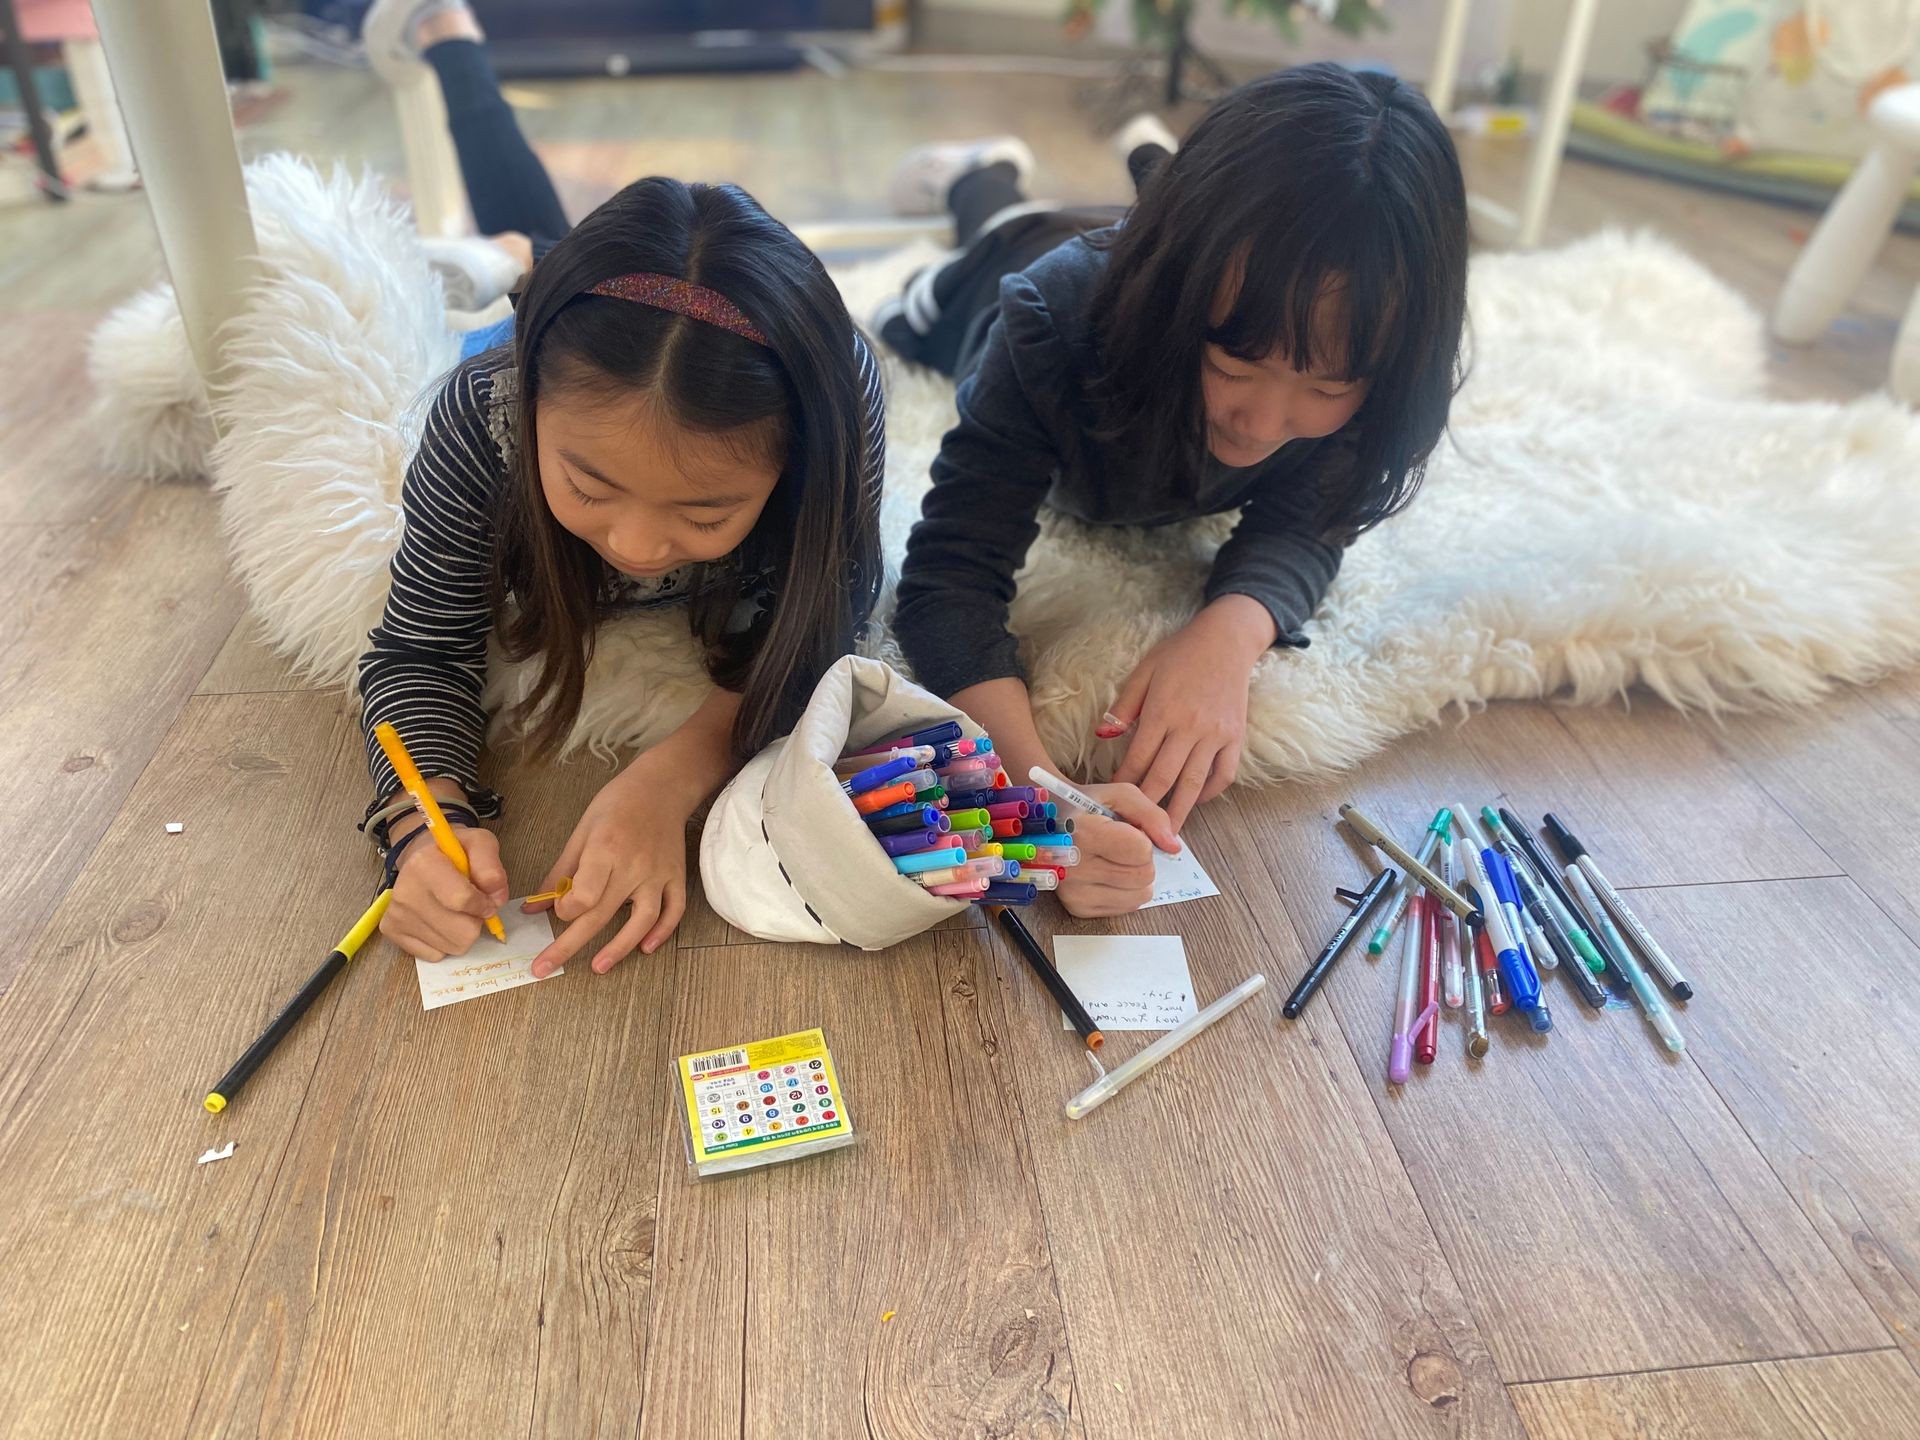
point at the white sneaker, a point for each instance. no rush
(473, 271)
(1146, 128)
(924, 176)
(388, 31)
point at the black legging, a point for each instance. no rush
(507, 185)
(947, 310)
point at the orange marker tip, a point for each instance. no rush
(1096, 1040)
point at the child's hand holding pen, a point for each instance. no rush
(1115, 873)
(436, 911)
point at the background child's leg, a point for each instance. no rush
(507, 185)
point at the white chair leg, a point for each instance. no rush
(86, 65)
(1446, 57)
(433, 169)
(166, 67)
(1905, 378)
(1556, 116)
(1838, 256)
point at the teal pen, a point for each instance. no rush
(1621, 954)
(1409, 887)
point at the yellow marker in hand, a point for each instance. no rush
(416, 786)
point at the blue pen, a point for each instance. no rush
(943, 734)
(923, 815)
(1032, 839)
(1507, 891)
(929, 860)
(999, 892)
(1523, 984)
(878, 775)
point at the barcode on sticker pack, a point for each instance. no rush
(719, 1060)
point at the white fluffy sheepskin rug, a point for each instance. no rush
(1619, 503)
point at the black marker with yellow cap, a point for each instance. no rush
(230, 1083)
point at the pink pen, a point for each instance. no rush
(973, 765)
(987, 867)
(961, 888)
(1010, 810)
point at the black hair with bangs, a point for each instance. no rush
(1313, 182)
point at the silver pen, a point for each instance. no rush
(1616, 905)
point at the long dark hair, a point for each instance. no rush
(799, 397)
(1309, 179)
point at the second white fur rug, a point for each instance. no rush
(1619, 505)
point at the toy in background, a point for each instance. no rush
(1781, 75)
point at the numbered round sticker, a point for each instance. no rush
(766, 1089)
(766, 1074)
(826, 1115)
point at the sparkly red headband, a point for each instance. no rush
(683, 297)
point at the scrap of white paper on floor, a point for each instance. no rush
(1127, 982)
(489, 967)
(1179, 877)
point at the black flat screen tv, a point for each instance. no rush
(576, 37)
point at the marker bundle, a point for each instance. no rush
(1528, 916)
(942, 808)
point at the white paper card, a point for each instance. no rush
(1179, 877)
(489, 966)
(1127, 982)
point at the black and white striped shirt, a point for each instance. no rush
(426, 666)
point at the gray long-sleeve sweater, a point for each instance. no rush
(1025, 437)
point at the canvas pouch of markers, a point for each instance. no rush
(784, 855)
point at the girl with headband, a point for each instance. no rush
(682, 415)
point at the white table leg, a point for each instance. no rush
(1556, 115)
(1841, 249)
(1905, 379)
(433, 170)
(1446, 57)
(165, 64)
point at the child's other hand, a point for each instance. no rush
(1115, 873)
(627, 849)
(1186, 704)
(436, 911)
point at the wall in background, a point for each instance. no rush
(1620, 36)
(1496, 30)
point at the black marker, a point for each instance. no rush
(1367, 902)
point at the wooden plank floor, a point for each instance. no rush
(479, 1221)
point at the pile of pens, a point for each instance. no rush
(941, 806)
(1483, 914)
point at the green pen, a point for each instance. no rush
(1547, 882)
(1429, 847)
